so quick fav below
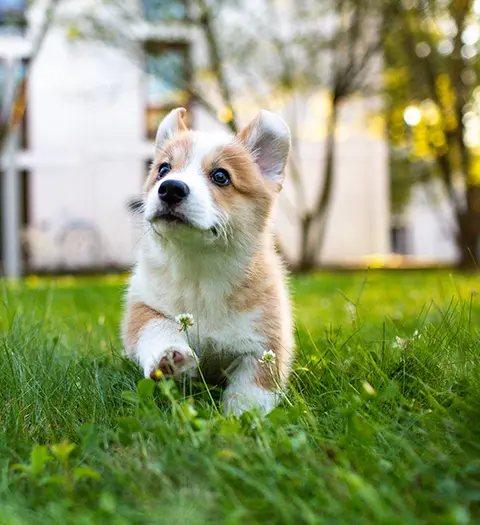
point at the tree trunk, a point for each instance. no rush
(313, 224)
(468, 234)
(305, 262)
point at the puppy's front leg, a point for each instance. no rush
(251, 385)
(155, 343)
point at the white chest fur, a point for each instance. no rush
(174, 287)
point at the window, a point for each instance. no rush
(167, 80)
(12, 16)
(155, 10)
(3, 89)
(25, 207)
(399, 239)
(22, 69)
(16, 73)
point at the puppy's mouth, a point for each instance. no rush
(174, 218)
(171, 217)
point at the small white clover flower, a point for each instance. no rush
(368, 388)
(185, 321)
(403, 343)
(268, 358)
(400, 342)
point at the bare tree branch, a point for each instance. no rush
(206, 23)
(17, 109)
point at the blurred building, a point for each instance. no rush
(426, 227)
(86, 142)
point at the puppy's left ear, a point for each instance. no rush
(173, 123)
(267, 138)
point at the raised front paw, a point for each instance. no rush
(174, 362)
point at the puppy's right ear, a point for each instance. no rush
(267, 138)
(171, 124)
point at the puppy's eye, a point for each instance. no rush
(220, 177)
(163, 169)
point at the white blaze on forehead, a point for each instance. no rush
(205, 143)
(200, 204)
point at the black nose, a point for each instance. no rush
(173, 191)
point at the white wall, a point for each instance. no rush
(87, 151)
(430, 223)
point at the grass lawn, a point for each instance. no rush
(381, 423)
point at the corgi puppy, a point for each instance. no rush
(208, 250)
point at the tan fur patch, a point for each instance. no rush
(262, 290)
(138, 315)
(247, 183)
(267, 377)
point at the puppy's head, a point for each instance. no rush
(215, 187)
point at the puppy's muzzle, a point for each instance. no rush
(173, 192)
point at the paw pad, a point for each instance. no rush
(173, 364)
